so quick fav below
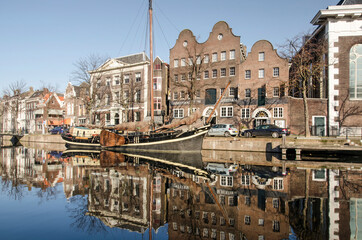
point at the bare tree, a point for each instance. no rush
(84, 67)
(347, 110)
(308, 62)
(11, 105)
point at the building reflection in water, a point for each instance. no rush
(265, 198)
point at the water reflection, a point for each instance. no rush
(265, 198)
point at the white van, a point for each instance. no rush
(221, 169)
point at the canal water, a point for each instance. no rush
(212, 195)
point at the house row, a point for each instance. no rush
(253, 86)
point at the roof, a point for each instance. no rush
(134, 58)
(349, 2)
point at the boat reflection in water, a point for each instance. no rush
(266, 198)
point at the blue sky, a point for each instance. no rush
(42, 39)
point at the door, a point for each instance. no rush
(319, 126)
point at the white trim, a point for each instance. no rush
(256, 111)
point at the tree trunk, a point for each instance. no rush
(306, 111)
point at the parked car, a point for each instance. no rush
(221, 169)
(266, 130)
(57, 130)
(226, 130)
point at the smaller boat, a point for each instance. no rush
(82, 138)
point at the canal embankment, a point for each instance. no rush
(267, 144)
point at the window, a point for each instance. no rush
(175, 77)
(261, 73)
(232, 71)
(137, 116)
(226, 181)
(223, 56)
(116, 95)
(157, 83)
(175, 63)
(278, 184)
(226, 111)
(222, 91)
(174, 226)
(183, 62)
(275, 203)
(214, 57)
(247, 74)
(138, 77)
(233, 92)
(276, 92)
(355, 72)
(245, 179)
(138, 96)
(223, 72)
(231, 236)
(319, 175)
(247, 93)
(247, 200)
(198, 77)
(182, 94)
(183, 77)
(189, 76)
(126, 96)
(116, 80)
(213, 234)
(206, 74)
(261, 222)
(276, 226)
(206, 58)
(178, 113)
(232, 54)
(198, 59)
(175, 95)
(278, 112)
(198, 93)
(108, 81)
(191, 62)
(205, 233)
(157, 103)
(126, 78)
(214, 73)
(276, 72)
(231, 201)
(245, 113)
(222, 235)
(247, 220)
(222, 199)
(261, 56)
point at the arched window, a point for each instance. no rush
(355, 72)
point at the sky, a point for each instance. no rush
(41, 40)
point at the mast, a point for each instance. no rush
(151, 60)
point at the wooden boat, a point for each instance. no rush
(82, 138)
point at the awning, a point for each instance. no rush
(55, 112)
(55, 122)
(67, 121)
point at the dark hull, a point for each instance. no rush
(190, 142)
(79, 144)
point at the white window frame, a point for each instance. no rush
(214, 70)
(245, 113)
(278, 112)
(206, 58)
(247, 220)
(232, 54)
(223, 56)
(175, 63)
(319, 179)
(126, 79)
(223, 72)
(261, 73)
(261, 56)
(226, 111)
(206, 73)
(178, 113)
(226, 181)
(247, 74)
(276, 92)
(245, 179)
(214, 57)
(183, 62)
(247, 93)
(278, 183)
(276, 72)
(138, 77)
(232, 71)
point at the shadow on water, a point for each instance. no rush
(245, 195)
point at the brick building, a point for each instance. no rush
(199, 73)
(340, 26)
(75, 104)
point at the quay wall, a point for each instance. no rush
(270, 145)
